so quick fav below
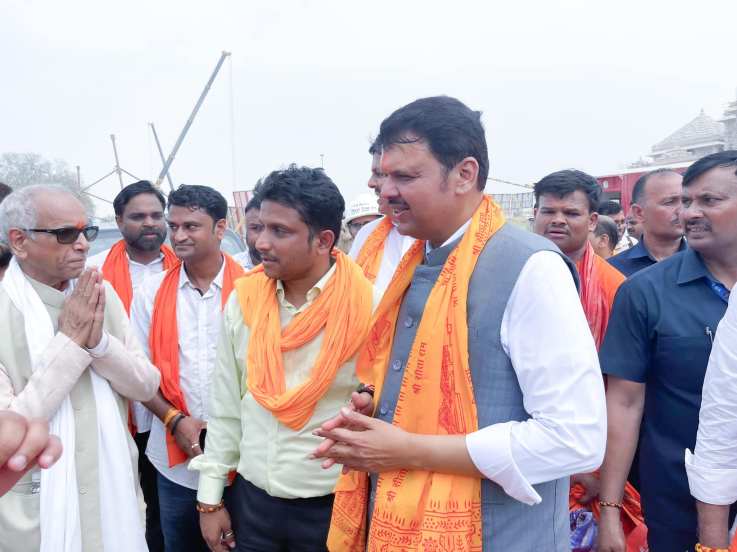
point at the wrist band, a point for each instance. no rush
(209, 509)
(363, 388)
(701, 548)
(604, 503)
(170, 414)
(178, 418)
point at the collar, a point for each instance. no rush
(692, 268)
(217, 282)
(640, 250)
(312, 293)
(457, 234)
(50, 297)
(157, 260)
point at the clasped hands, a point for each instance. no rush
(359, 442)
(83, 314)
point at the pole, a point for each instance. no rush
(197, 106)
(117, 162)
(79, 178)
(161, 154)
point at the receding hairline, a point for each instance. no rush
(659, 175)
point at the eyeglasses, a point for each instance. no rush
(69, 234)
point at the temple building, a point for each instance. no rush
(699, 137)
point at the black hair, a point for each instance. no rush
(452, 132)
(727, 158)
(200, 197)
(609, 208)
(308, 191)
(562, 183)
(253, 203)
(607, 226)
(5, 191)
(638, 190)
(133, 190)
(375, 146)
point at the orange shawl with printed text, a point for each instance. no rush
(116, 270)
(420, 510)
(163, 341)
(372, 252)
(342, 311)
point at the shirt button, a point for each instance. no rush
(408, 322)
(82, 490)
(397, 365)
(383, 410)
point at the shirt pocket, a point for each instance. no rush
(680, 361)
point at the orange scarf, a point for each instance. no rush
(419, 510)
(369, 258)
(342, 310)
(163, 341)
(116, 270)
(593, 293)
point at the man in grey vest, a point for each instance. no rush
(536, 389)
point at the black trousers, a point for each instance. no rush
(263, 523)
(147, 474)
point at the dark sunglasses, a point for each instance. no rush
(70, 234)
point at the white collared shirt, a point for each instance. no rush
(139, 272)
(394, 249)
(712, 468)
(547, 338)
(198, 324)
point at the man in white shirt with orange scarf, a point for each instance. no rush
(177, 316)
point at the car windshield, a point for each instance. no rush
(231, 244)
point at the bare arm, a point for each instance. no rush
(713, 524)
(158, 405)
(625, 401)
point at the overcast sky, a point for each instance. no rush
(582, 84)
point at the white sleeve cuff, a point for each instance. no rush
(491, 451)
(101, 348)
(716, 486)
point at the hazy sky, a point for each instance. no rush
(582, 84)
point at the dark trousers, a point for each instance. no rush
(180, 522)
(263, 523)
(661, 538)
(147, 474)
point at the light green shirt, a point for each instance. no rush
(243, 435)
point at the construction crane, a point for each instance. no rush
(180, 139)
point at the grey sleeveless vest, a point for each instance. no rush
(507, 523)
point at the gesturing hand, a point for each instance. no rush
(360, 402)
(78, 313)
(364, 444)
(23, 444)
(188, 434)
